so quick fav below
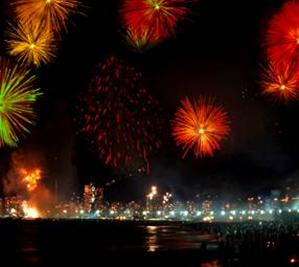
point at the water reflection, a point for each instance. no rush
(166, 238)
(151, 238)
(215, 263)
(28, 245)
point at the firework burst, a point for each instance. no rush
(121, 118)
(200, 125)
(51, 14)
(30, 44)
(154, 19)
(16, 99)
(282, 38)
(281, 81)
(136, 41)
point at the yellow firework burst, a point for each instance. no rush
(30, 44)
(52, 14)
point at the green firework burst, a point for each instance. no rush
(17, 96)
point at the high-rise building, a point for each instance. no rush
(207, 206)
(93, 198)
(152, 199)
(1, 207)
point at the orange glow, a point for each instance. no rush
(281, 81)
(286, 199)
(200, 125)
(153, 193)
(31, 178)
(29, 211)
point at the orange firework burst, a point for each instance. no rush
(282, 38)
(52, 14)
(31, 178)
(30, 44)
(281, 81)
(200, 125)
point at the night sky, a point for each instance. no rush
(217, 52)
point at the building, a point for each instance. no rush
(93, 198)
(1, 207)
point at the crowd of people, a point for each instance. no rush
(271, 243)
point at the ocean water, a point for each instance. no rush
(97, 243)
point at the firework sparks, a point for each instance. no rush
(120, 116)
(51, 14)
(282, 38)
(30, 44)
(16, 100)
(154, 19)
(200, 125)
(136, 41)
(281, 82)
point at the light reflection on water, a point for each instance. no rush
(214, 263)
(151, 240)
(28, 245)
(163, 238)
(44, 243)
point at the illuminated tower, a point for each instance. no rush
(93, 198)
(207, 206)
(152, 201)
(1, 207)
(87, 198)
(98, 196)
(167, 203)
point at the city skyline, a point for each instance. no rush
(261, 148)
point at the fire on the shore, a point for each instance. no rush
(29, 211)
(31, 179)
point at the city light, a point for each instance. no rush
(163, 207)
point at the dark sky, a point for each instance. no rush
(218, 52)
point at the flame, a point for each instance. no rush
(31, 178)
(29, 211)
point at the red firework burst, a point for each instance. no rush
(200, 125)
(282, 37)
(281, 81)
(156, 19)
(121, 118)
